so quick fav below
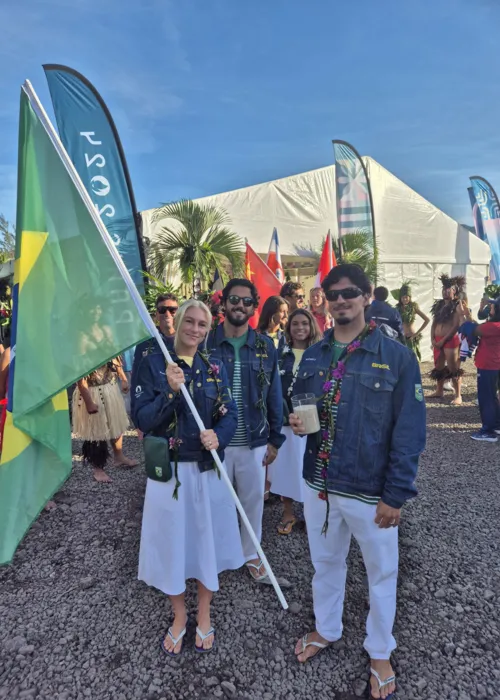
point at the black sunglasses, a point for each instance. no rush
(347, 293)
(234, 300)
(172, 310)
(298, 296)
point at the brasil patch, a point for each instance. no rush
(419, 394)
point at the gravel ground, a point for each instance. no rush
(75, 622)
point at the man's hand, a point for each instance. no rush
(270, 456)
(296, 424)
(387, 516)
(439, 345)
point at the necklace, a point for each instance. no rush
(331, 398)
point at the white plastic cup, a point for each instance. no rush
(305, 407)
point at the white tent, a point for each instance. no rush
(415, 239)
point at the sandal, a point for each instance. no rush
(381, 684)
(305, 643)
(174, 641)
(286, 526)
(258, 578)
(202, 650)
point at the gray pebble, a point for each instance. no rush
(228, 688)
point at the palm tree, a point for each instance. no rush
(357, 247)
(201, 243)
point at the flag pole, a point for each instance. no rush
(143, 312)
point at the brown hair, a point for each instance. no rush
(271, 306)
(315, 335)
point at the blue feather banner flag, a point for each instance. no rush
(353, 193)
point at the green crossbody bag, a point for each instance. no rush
(157, 458)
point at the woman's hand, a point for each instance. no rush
(209, 440)
(175, 377)
(124, 385)
(91, 408)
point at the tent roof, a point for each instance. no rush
(302, 207)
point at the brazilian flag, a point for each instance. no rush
(72, 313)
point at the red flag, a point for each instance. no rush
(266, 282)
(274, 257)
(327, 261)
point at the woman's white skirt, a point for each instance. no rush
(285, 473)
(109, 422)
(196, 536)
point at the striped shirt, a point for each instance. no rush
(240, 438)
(317, 483)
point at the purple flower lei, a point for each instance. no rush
(331, 397)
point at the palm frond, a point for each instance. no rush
(197, 239)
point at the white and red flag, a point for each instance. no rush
(274, 258)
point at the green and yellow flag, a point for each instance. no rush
(72, 313)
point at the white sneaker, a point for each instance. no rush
(447, 386)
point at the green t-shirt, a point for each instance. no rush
(317, 482)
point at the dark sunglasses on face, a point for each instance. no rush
(299, 296)
(347, 293)
(234, 300)
(172, 310)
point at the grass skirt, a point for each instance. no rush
(109, 423)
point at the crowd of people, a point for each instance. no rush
(357, 359)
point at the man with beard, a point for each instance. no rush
(252, 365)
(445, 339)
(360, 467)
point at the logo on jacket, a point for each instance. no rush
(419, 394)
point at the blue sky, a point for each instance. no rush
(211, 95)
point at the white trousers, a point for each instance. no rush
(244, 468)
(379, 548)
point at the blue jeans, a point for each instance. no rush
(489, 408)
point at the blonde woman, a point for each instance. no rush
(190, 527)
(318, 306)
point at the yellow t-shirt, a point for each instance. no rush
(187, 360)
(298, 357)
(275, 339)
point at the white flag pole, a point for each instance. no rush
(143, 312)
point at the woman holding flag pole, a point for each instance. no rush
(189, 527)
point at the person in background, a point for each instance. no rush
(273, 318)
(285, 474)
(360, 468)
(252, 365)
(445, 339)
(4, 382)
(383, 313)
(166, 309)
(318, 306)
(99, 416)
(409, 310)
(190, 525)
(294, 295)
(487, 361)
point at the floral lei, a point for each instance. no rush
(331, 397)
(262, 379)
(219, 410)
